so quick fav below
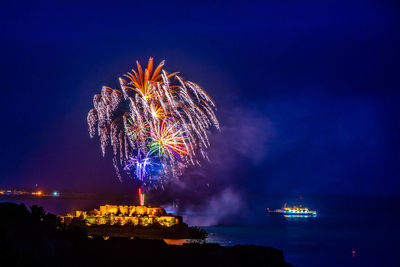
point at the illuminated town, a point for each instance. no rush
(36, 193)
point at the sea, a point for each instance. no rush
(348, 231)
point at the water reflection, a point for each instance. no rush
(299, 217)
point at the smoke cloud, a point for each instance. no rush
(219, 190)
(215, 210)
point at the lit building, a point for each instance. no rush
(124, 215)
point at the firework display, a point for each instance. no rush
(157, 123)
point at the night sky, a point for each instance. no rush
(307, 93)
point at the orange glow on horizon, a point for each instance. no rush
(38, 193)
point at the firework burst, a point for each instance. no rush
(155, 113)
(140, 164)
(168, 139)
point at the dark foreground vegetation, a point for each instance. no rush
(36, 238)
(153, 231)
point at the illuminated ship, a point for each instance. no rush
(297, 211)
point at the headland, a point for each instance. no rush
(129, 221)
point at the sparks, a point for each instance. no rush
(168, 140)
(141, 197)
(140, 165)
(156, 114)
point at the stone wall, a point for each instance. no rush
(124, 215)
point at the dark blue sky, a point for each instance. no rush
(307, 93)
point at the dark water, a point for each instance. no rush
(367, 226)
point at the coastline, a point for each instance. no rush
(34, 237)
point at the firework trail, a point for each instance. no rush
(155, 119)
(140, 165)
